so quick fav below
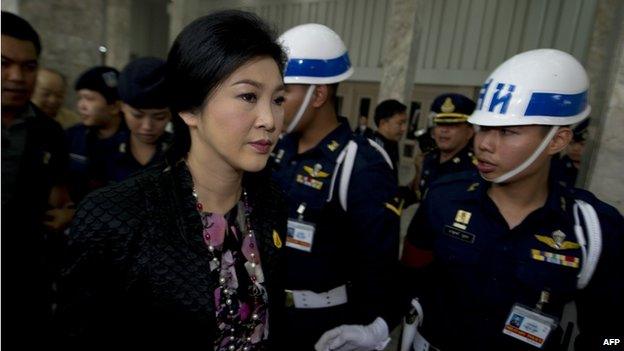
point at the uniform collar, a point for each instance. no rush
(382, 139)
(330, 146)
(558, 203)
(25, 114)
(554, 209)
(463, 154)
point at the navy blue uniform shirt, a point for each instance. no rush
(471, 268)
(391, 147)
(366, 132)
(358, 248)
(89, 157)
(122, 164)
(432, 169)
(562, 170)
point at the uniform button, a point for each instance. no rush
(293, 162)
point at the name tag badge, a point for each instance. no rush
(529, 325)
(300, 235)
(459, 234)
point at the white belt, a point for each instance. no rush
(311, 299)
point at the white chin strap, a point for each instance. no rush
(306, 101)
(505, 177)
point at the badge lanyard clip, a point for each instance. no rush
(300, 210)
(544, 299)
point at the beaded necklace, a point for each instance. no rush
(227, 304)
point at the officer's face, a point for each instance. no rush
(293, 98)
(363, 121)
(146, 125)
(19, 71)
(239, 124)
(49, 92)
(502, 149)
(94, 109)
(452, 137)
(395, 126)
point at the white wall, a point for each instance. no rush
(461, 40)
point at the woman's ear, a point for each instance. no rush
(561, 139)
(189, 118)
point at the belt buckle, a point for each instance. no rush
(290, 300)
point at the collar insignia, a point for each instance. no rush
(473, 186)
(461, 219)
(46, 157)
(279, 156)
(333, 145)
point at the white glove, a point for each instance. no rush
(355, 337)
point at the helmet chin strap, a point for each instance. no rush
(306, 101)
(505, 177)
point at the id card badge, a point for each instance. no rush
(300, 235)
(529, 325)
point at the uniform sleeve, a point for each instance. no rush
(418, 244)
(600, 305)
(417, 256)
(374, 211)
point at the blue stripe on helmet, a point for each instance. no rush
(317, 68)
(556, 105)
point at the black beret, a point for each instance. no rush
(102, 79)
(142, 84)
(452, 108)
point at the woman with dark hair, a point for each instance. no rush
(187, 254)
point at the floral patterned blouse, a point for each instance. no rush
(240, 299)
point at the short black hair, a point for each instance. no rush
(18, 28)
(387, 109)
(205, 53)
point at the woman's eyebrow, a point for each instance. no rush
(250, 82)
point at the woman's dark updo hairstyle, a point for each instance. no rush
(206, 53)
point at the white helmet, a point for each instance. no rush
(543, 86)
(316, 55)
